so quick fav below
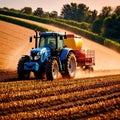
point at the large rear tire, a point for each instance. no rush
(52, 69)
(70, 65)
(22, 74)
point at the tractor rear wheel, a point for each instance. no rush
(52, 69)
(22, 74)
(70, 65)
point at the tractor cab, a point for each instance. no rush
(52, 40)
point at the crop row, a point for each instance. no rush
(12, 87)
(40, 92)
(69, 113)
(17, 106)
(53, 90)
(113, 115)
(60, 99)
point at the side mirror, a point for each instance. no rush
(65, 36)
(30, 39)
(61, 37)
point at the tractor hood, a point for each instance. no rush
(41, 54)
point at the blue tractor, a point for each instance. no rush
(50, 56)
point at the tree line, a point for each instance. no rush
(38, 12)
(106, 23)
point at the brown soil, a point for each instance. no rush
(14, 42)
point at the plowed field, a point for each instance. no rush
(96, 98)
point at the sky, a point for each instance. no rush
(57, 5)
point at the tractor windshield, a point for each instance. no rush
(48, 41)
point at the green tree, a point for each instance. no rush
(66, 12)
(74, 11)
(112, 26)
(54, 14)
(46, 14)
(82, 12)
(38, 12)
(91, 16)
(118, 28)
(27, 10)
(5, 8)
(97, 26)
(14, 10)
(117, 10)
(69, 11)
(106, 11)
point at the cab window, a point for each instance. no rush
(60, 42)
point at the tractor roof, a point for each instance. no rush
(51, 33)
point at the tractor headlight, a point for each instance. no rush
(37, 56)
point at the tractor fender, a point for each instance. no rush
(64, 53)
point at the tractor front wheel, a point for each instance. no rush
(22, 74)
(52, 69)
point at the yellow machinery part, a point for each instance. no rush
(74, 43)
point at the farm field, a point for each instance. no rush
(89, 98)
(14, 43)
(105, 58)
(92, 96)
